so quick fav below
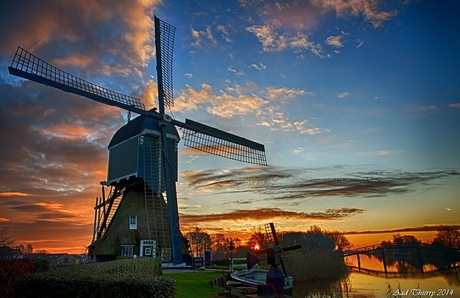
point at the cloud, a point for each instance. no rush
(54, 157)
(384, 152)
(276, 120)
(53, 237)
(369, 9)
(235, 100)
(56, 29)
(264, 214)
(431, 228)
(235, 72)
(259, 66)
(201, 36)
(274, 42)
(285, 24)
(343, 94)
(13, 194)
(281, 93)
(455, 105)
(424, 108)
(302, 128)
(225, 33)
(335, 41)
(293, 184)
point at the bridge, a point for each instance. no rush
(386, 250)
(361, 250)
(376, 247)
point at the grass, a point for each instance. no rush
(195, 284)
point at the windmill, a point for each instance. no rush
(275, 277)
(142, 155)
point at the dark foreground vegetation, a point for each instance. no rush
(121, 278)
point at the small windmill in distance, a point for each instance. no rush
(139, 216)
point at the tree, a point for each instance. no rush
(5, 238)
(199, 241)
(315, 238)
(448, 237)
(219, 246)
(26, 250)
(259, 238)
(406, 240)
(340, 240)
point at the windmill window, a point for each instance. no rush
(133, 222)
(127, 250)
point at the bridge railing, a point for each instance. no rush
(361, 250)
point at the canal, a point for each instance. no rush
(401, 279)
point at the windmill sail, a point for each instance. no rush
(215, 141)
(197, 135)
(29, 66)
(164, 42)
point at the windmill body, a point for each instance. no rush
(136, 166)
(143, 164)
(135, 152)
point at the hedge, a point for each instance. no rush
(140, 277)
(99, 286)
(10, 269)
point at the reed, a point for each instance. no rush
(314, 265)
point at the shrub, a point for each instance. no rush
(40, 285)
(122, 278)
(41, 265)
(11, 270)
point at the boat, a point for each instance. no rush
(256, 277)
(272, 281)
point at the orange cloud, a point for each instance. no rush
(67, 131)
(41, 26)
(264, 214)
(13, 194)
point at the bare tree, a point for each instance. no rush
(199, 241)
(340, 240)
(5, 238)
(219, 246)
(26, 250)
(259, 238)
(448, 236)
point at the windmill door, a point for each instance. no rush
(148, 248)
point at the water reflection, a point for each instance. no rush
(362, 285)
(320, 275)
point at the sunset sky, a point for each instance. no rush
(357, 104)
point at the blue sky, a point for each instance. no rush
(357, 104)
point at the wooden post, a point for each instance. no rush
(419, 257)
(359, 261)
(384, 261)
